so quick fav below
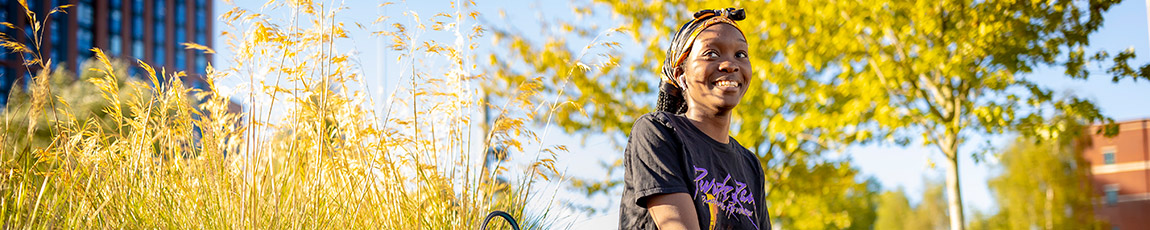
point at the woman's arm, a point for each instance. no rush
(673, 211)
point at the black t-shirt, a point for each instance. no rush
(668, 154)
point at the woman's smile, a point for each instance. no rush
(727, 85)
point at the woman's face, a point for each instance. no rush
(717, 71)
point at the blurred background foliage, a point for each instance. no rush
(1043, 184)
(73, 91)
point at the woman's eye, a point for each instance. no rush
(710, 54)
(741, 54)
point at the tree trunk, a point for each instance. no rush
(953, 193)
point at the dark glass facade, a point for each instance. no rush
(85, 19)
(7, 76)
(148, 30)
(115, 28)
(138, 28)
(158, 36)
(59, 44)
(4, 29)
(200, 32)
(180, 32)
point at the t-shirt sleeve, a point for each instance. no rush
(764, 214)
(653, 161)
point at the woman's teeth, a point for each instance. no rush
(727, 83)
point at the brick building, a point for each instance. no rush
(149, 30)
(1121, 175)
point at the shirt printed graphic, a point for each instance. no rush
(721, 196)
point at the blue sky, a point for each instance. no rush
(893, 166)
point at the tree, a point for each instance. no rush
(893, 208)
(931, 213)
(983, 221)
(896, 213)
(1045, 184)
(822, 195)
(833, 73)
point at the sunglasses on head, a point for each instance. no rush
(732, 13)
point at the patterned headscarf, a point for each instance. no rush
(670, 92)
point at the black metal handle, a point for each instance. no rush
(493, 214)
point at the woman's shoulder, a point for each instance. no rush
(655, 126)
(656, 120)
(743, 150)
(657, 116)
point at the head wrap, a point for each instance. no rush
(670, 92)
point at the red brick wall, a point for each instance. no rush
(1130, 172)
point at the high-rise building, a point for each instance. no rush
(151, 30)
(1121, 175)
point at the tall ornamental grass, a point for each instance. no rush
(312, 149)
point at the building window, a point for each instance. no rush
(180, 12)
(4, 29)
(138, 49)
(200, 18)
(158, 46)
(84, 19)
(200, 28)
(83, 45)
(59, 34)
(200, 34)
(84, 13)
(29, 35)
(201, 63)
(114, 46)
(138, 29)
(160, 9)
(59, 39)
(181, 58)
(1108, 157)
(114, 15)
(114, 21)
(1111, 194)
(159, 58)
(27, 78)
(34, 5)
(7, 76)
(159, 52)
(138, 19)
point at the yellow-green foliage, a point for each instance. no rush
(310, 151)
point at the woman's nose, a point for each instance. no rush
(728, 67)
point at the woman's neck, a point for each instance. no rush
(714, 124)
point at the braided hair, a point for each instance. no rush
(671, 97)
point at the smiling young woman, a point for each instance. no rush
(683, 170)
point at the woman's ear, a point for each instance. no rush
(679, 77)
